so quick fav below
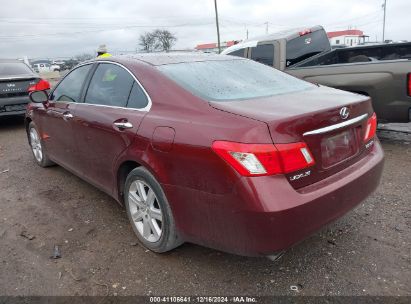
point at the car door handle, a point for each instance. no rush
(123, 125)
(67, 116)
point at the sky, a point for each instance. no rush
(61, 29)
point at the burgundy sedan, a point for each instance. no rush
(210, 149)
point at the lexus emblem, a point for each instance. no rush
(344, 113)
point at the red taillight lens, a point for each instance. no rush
(409, 84)
(264, 159)
(371, 128)
(42, 85)
(295, 156)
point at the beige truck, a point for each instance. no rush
(382, 72)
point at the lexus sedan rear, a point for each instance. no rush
(216, 150)
(16, 81)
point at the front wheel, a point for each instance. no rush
(37, 147)
(149, 212)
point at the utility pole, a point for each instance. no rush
(383, 25)
(218, 29)
(266, 27)
(246, 30)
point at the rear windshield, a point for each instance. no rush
(14, 69)
(305, 46)
(226, 80)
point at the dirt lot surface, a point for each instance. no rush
(367, 252)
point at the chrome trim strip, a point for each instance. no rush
(106, 106)
(336, 126)
(11, 79)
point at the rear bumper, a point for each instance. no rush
(265, 215)
(13, 105)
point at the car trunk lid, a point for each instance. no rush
(16, 86)
(312, 117)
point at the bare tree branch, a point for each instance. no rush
(157, 40)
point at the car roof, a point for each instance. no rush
(156, 59)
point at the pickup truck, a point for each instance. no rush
(382, 72)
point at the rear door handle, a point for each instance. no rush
(123, 125)
(67, 116)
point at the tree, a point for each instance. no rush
(147, 42)
(157, 40)
(165, 40)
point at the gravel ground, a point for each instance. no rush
(367, 252)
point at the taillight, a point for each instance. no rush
(42, 85)
(409, 84)
(264, 159)
(371, 128)
(295, 156)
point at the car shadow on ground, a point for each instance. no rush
(11, 122)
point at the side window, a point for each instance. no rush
(70, 88)
(138, 98)
(238, 53)
(263, 53)
(110, 86)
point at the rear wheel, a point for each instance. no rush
(149, 212)
(37, 147)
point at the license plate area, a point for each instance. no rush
(17, 107)
(337, 148)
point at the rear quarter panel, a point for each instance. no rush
(190, 162)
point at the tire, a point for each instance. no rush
(37, 147)
(149, 212)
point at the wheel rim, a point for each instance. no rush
(145, 211)
(36, 145)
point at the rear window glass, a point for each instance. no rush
(13, 69)
(306, 46)
(232, 79)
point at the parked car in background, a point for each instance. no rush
(58, 62)
(69, 64)
(379, 71)
(210, 149)
(45, 67)
(16, 81)
(283, 49)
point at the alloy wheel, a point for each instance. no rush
(145, 211)
(36, 145)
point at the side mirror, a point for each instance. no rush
(39, 96)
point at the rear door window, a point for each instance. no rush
(69, 89)
(263, 53)
(110, 85)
